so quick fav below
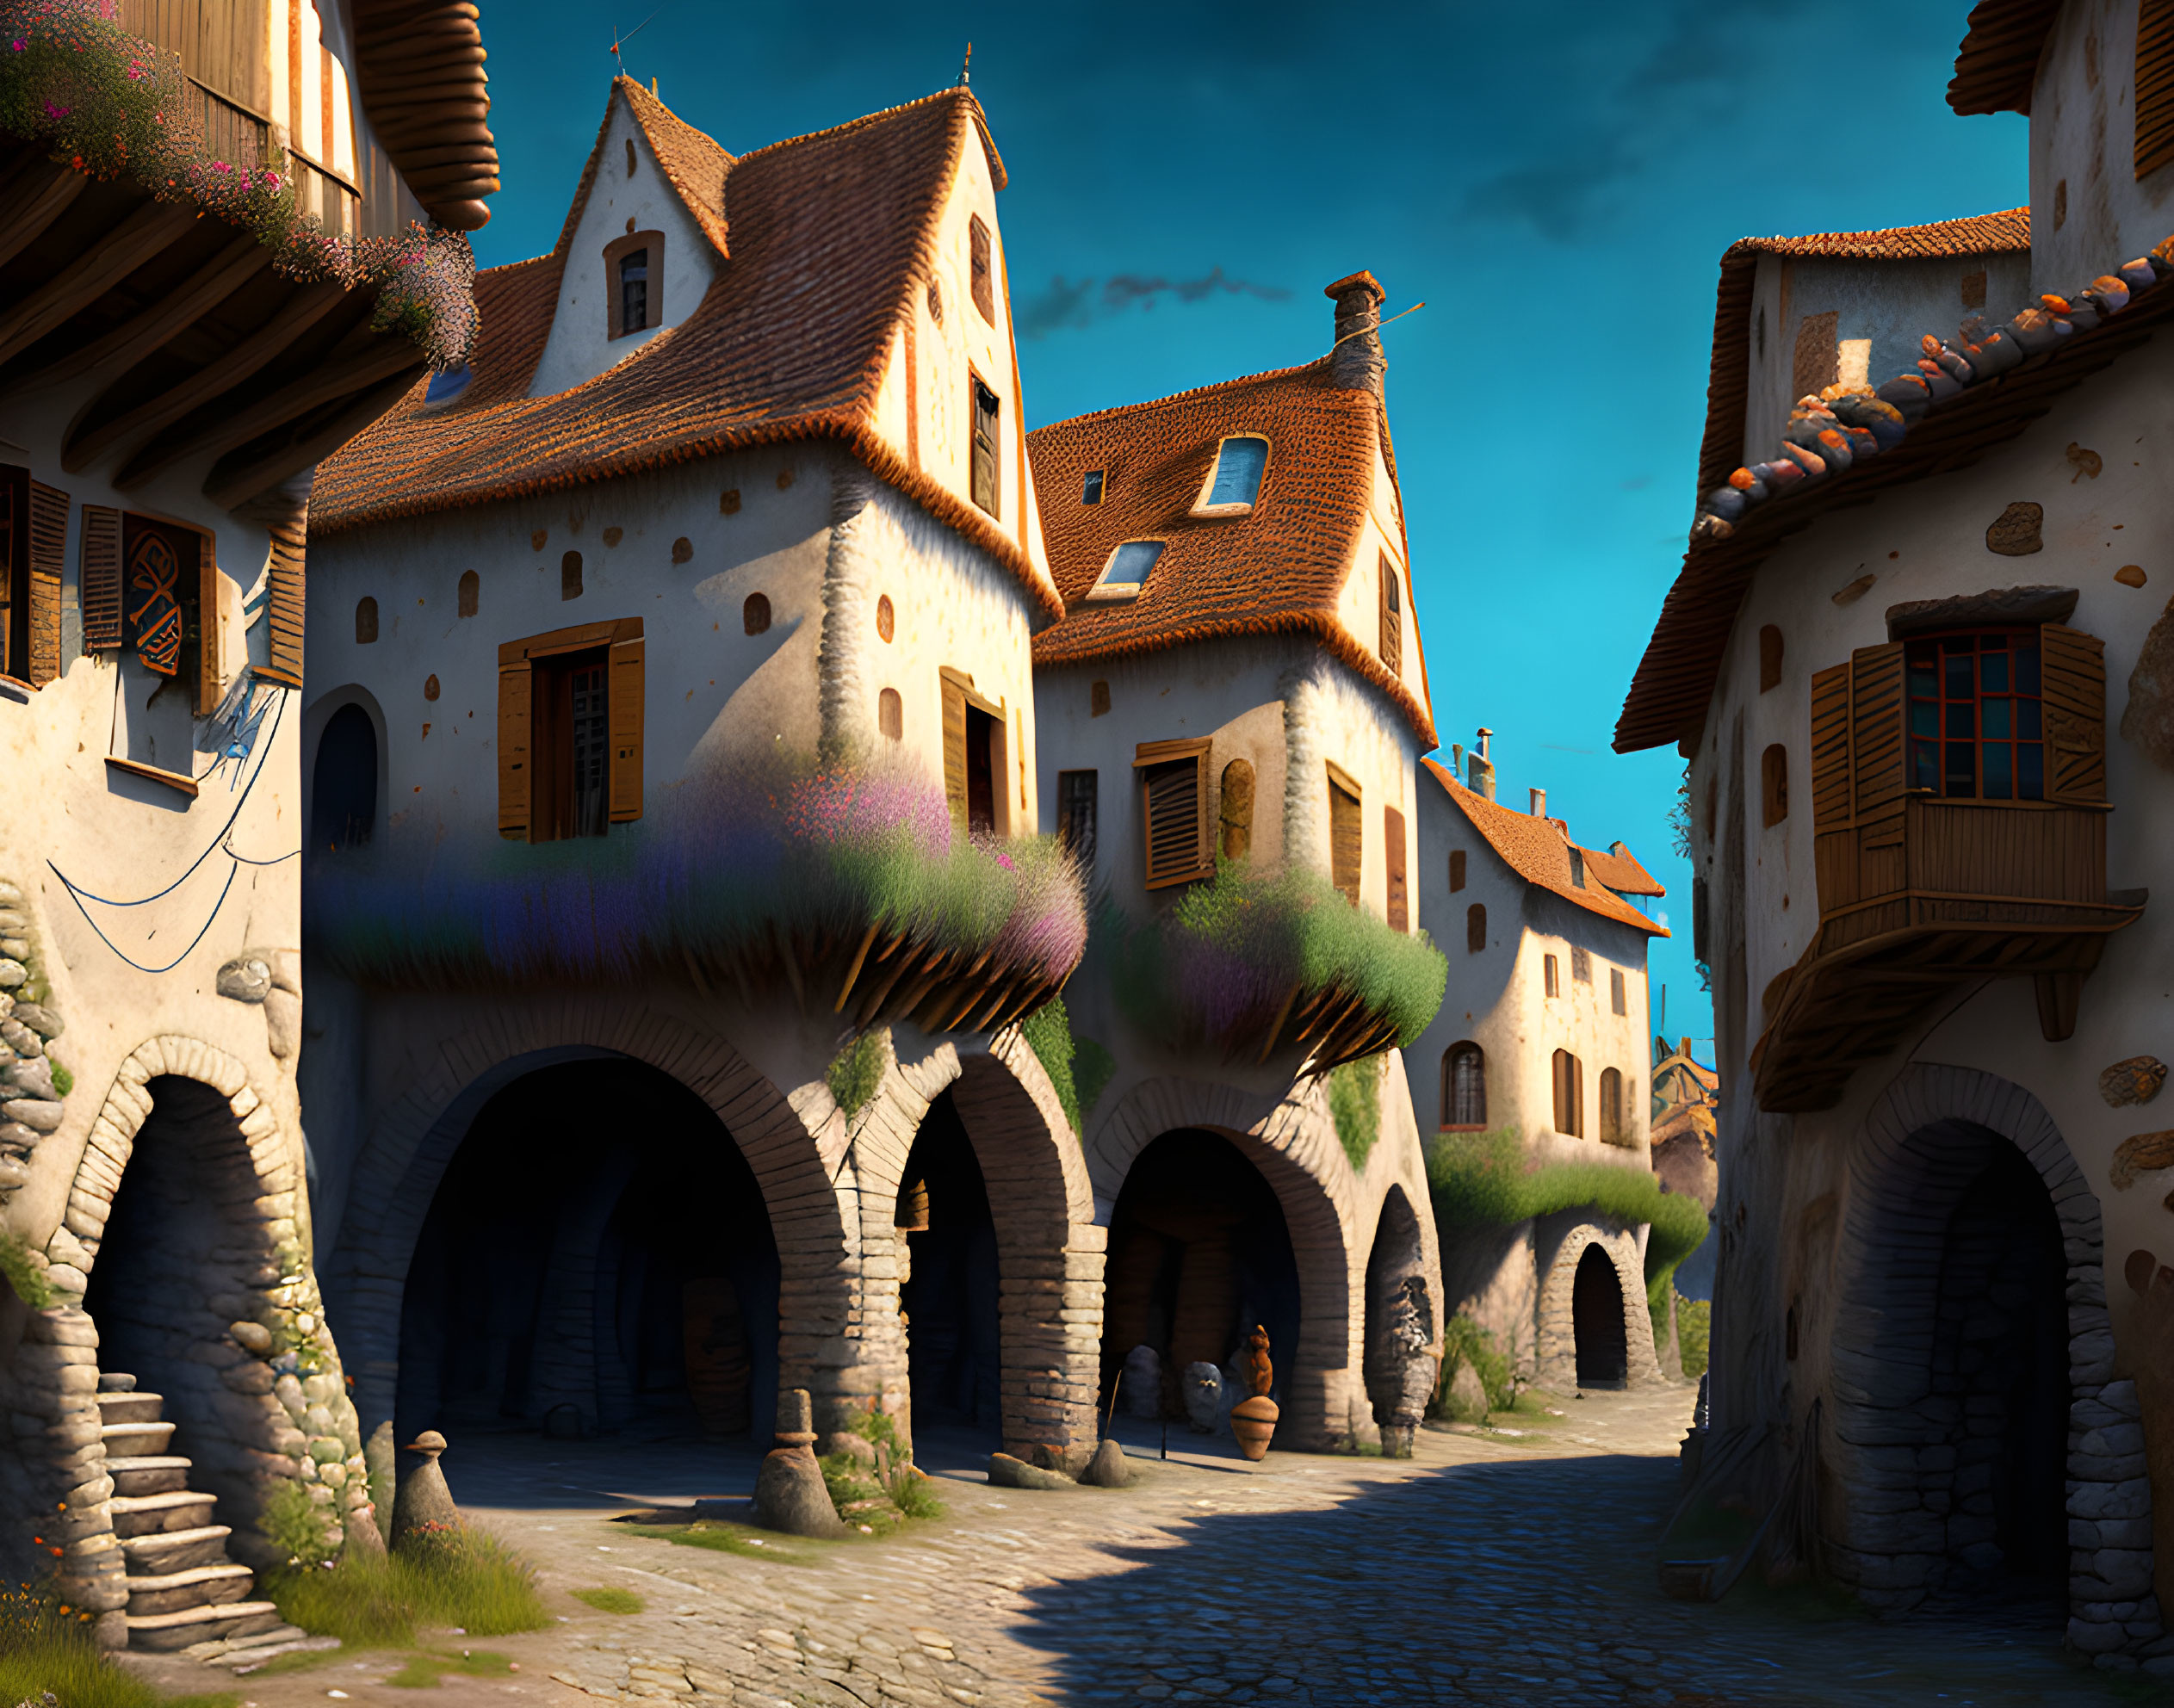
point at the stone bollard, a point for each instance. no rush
(422, 1511)
(789, 1495)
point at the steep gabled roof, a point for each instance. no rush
(1620, 871)
(1540, 854)
(1280, 569)
(1998, 63)
(1728, 381)
(829, 236)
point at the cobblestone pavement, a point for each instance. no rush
(1498, 1569)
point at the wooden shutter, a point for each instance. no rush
(210, 627)
(101, 584)
(625, 688)
(2154, 85)
(1830, 748)
(1173, 798)
(516, 778)
(955, 750)
(1347, 835)
(1392, 618)
(1876, 713)
(981, 269)
(290, 544)
(2072, 667)
(48, 554)
(1392, 823)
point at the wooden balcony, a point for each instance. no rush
(1923, 898)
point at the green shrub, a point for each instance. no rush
(845, 1479)
(474, 1581)
(63, 1080)
(297, 1525)
(914, 1495)
(1694, 1328)
(24, 1276)
(854, 1071)
(1465, 1342)
(611, 1600)
(1354, 1103)
(1048, 1032)
(1092, 1068)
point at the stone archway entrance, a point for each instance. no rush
(952, 1280)
(1200, 1252)
(581, 1282)
(1400, 1326)
(1602, 1354)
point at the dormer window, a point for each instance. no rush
(1126, 570)
(1235, 482)
(1090, 488)
(634, 282)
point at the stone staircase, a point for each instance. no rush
(182, 1589)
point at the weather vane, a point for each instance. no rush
(619, 40)
(966, 66)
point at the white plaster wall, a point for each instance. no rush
(2082, 135)
(1889, 305)
(580, 346)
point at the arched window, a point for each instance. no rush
(1570, 1094)
(890, 713)
(365, 621)
(1476, 928)
(1774, 785)
(1614, 1131)
(343, 781)
(570, 576)
(471, 593)
(1464, 1087)
(754, 614)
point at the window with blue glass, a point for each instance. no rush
(1240, 463)
(1976, 716)
(1129, 566)
(1091, 489)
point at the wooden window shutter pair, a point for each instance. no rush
(1346, 834)
(624, 650)
(1392, 618)
(1393, 847)
(1173, 799)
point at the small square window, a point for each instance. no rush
(1127, 569)
(1235, 483)
(1581, 966)
(1091, 489)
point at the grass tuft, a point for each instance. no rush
(48, 1657)
(478, 1584)
(611, 1599)
(422, 1671)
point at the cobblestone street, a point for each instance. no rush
(1509, 1569)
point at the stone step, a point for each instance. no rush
(164, 1633)
(262, 1640)
(148, 1474)
(133, 1439)
(130, 1407)
(195, 1587)
(175, 1551)
(115, 1382)
(147, 1515)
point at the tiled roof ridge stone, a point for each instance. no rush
(2003, 232)
(1190, 394)
(999, 178)
(1505, 829)
(1828, 433)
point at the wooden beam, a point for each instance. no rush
(31, 203)
(262, 474)
(390, 354)
(134, 339)
(109, 260)
(306, 308)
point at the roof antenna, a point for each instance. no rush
(966, 66)
(619, 41)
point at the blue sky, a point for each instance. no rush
(1557, 183)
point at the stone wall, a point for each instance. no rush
(1560, 1243)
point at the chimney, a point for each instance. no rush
(1539, 803)
(1355, 361)
(1481, 769)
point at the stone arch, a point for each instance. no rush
(1293, 1144)
(1402, 1323)
(1555, 1332)
(1920, 1148)
(1050, 1246)
(253, 1425)
(412, 1140)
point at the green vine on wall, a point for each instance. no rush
(855, 1072)
(1354, 1103)
(24, 1275)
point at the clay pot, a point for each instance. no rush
(1253, 1421)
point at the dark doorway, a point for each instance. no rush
(949, 1297)
(581, 1277)
(980, 779)
(1596, 1319)
(1200, 1252)
(2000, 1361)
(571, 742)
(342, 801)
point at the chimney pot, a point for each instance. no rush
(1355, 360)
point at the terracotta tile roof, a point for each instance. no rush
(1998, 62)
(1620, 870)
(1278, 570)
(2006, 232)
(1539, 853)
(693, 164)
(1668, 696)
(829, 234)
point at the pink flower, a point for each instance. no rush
(53, 112)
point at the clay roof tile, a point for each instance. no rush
(1538, 853)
